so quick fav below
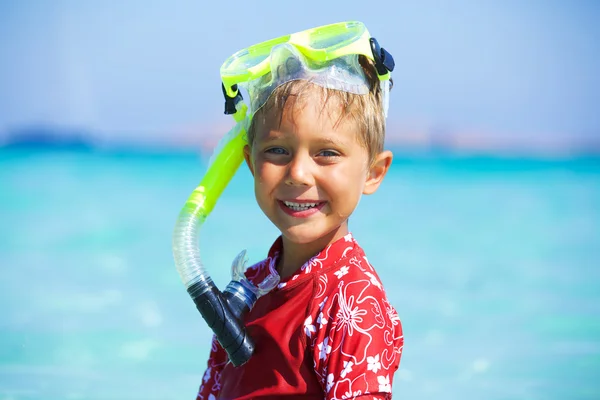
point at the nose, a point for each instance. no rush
(300, 171)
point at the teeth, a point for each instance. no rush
(299, 206)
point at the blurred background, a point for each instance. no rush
(485, 233)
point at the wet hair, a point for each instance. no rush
(366, 111)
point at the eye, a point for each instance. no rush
(329, 153)
(276, 150)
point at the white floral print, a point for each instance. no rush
(206, 376)
(374, 279)
(341, 272)
(384, 383)
(329, 382)
(321, 320)
(324, 349)
(373, 363)
(347, 368)
(350, 395)
(349, 314)
(309, 328)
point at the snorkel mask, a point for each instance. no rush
(326, 56)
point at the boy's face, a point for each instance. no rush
(309, 171)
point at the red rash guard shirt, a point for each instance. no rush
(327, 332)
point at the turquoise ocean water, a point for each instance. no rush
(492, 263)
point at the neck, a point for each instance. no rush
(295, 255)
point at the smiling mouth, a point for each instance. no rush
(304, 206)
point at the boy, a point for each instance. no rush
(327, 330)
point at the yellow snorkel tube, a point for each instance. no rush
(222, 316)
(322, 52)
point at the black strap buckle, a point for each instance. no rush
(230, 102)
(384, 62)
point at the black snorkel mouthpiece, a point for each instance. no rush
(223, 313)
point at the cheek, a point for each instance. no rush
(347, 183)
(266, 177)
(264, 172)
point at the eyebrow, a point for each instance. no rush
(330, 141)
(273, 136)
(277, 135)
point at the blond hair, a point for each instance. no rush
(366, 111)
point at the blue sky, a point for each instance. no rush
(138, 68)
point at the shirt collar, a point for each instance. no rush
(326, 257)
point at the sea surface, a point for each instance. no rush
(493, 264)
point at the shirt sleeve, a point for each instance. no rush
(211, 382)
(356, 339)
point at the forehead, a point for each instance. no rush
(308, 107)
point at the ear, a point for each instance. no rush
(377, 171)
(248, 158)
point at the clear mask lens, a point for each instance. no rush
(289, 64)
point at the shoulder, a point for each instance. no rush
(351, 293)
(353, 330)
(353, 272)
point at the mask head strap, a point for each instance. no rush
(384, 62)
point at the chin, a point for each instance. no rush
(301, 237)
(307, 234)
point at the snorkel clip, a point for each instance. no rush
(230, 102)
(384, 62)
